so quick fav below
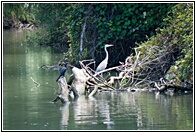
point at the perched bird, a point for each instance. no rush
(104, 63)
(62, 71)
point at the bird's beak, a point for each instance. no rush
(109, 45)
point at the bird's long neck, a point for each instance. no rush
(106, 58)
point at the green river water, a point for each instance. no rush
(27, 107)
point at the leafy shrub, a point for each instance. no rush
(121, 24)
(177, 36)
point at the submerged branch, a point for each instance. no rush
(35, 82)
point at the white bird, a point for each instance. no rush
(104, 63)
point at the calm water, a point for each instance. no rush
(27, 107)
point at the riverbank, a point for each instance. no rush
(11, 23)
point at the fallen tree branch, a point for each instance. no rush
(35, 82)
(94, 77)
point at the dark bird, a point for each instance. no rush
(62, 71)
(104, 63)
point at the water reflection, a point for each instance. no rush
(86, 111)
(124, 111)
(65, 116)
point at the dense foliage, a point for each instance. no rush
(176, 38)
(81, 30)
(181, 27)
(14, 13)
(122, 25)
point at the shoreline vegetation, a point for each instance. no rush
(156, 49)
(10, 24)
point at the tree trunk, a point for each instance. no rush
(63, 91)
(79, 82)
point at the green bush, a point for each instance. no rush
(121, 24)
(178, 35)
(23, 12)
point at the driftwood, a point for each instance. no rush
(141, 69)
(46, 67)
(63, 92)
(77, 84)
(164, 86)
(80, 79)
(82, 83)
